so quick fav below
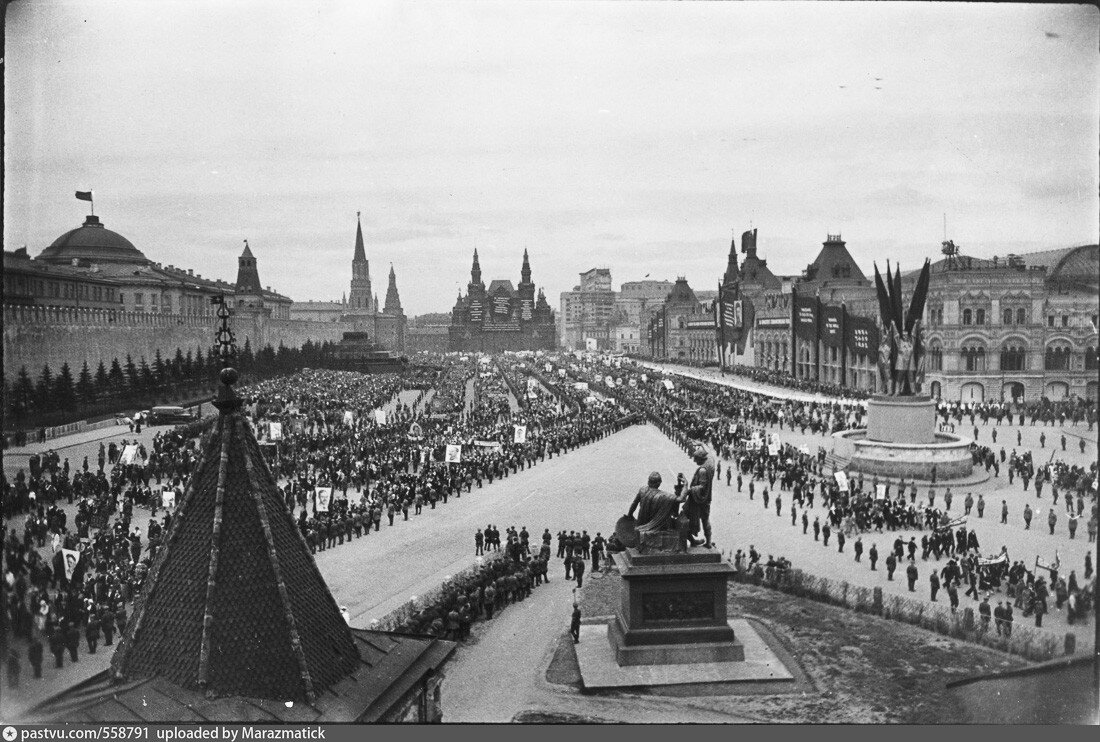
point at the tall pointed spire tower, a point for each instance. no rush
(393, 300)
(733, 273)
(360, 300)
(234, 604)
(526, 291)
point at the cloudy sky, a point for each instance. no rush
(634, 136)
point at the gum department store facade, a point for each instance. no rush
(1021, 327)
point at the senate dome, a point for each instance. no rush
(93, 243)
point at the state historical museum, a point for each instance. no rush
(502, 317)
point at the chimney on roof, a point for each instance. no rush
(190, 271)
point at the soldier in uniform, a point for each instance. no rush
(575, 623)
(872, 555)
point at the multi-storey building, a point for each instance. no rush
(501, 317)
(586, 312)
(1020, 327)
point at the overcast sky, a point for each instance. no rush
(633, 136)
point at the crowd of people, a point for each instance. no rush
(352, 452)
(740, 426)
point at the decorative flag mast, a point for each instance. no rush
(86, 196)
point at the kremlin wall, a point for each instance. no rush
(92, 297)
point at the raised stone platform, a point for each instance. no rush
(950, 455)
(673, 609)
(900, 441)
(600, 669)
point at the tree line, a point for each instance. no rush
(52, 397)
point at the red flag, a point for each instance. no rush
(83, 195)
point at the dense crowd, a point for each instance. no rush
(740, 426)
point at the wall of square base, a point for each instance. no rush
(729, 650)
(673, 609)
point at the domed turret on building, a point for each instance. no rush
(94, 243)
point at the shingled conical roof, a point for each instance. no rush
(234, 604)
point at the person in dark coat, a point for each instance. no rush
(91, 632)
(934, 584)
(872, 555)
(57, 646)
(72, 642)
(34, 656)
(891, 565)
(911, 576)
(578, 570)
(15, 668)
(575, 623)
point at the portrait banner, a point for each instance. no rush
(454, 454)
(70, 559)
(322, 498)
(275, 431)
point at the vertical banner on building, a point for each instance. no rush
(806, 328)
(323, 496)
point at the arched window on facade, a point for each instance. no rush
(1021, 316)
(979, 316)
(1013, 357)
(968, 318)
(973, 358)
(1090, 359)
(1008, 317)
(935, 357)
(1057, 357)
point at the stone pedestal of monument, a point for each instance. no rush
(901, 442)
(901, 419)
(673, 609)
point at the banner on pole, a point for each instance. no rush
(323, 498)
(71, 558)
(275, 431)
(349, 417)
(668, 384)
(841, 479)
(380, 417)
(880, 492)
(168, 499)
(520, 434)
(129, 455)
(561, 373)
(454, 454)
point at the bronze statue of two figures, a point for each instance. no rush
(901, 351)
(661, 525)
